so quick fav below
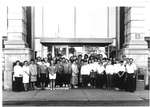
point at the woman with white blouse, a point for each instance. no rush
(131, 77)
(100, 74)
(121, 75)
(26, 74)
(18, 73)
(109, 72)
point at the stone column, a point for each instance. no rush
(135, 45)
(53, 51)
(16, 47)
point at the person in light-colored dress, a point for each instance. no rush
(26, 75)
(33, 74)
(75, 72)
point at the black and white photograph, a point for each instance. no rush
(75, 53)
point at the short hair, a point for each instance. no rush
(131, 59)
(17, 61)
(121, 61)
(25, 61)
(85, 60)
(32, 60)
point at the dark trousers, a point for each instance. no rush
(131, 83)
(38, 81)
(85, 80)
(93, 82)
(109, 81)
(99, 81)
(59, 79)
(120, 82)
(17, 84)
(79, 76)
(104, 79)
(68, 78)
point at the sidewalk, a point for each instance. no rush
(76, 95)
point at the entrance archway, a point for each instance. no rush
(62, 45)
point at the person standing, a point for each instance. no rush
(52, 75)
(131, 76)
(17, 76)
(26, 75)
(75, 72)
(121, 76)
(43, 75)
(59, 73)
(109, 72)
(115, 75)
(33, 74)
(47, 65)
(67, 71)
(100, 71)
(93, 72)
(85, 71)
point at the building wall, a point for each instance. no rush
(51, 21)
(134, 45)
(16, 46)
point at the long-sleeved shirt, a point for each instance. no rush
(109, 69)
(43, 69)
(131, 68)
(67, 68)
(18, 71)
(33, 69)
(85, 69)
(100, 69)
(52, 70)
(74, 69)
(94, 66)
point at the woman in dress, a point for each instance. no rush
(52, 75)
(33, 74)
(26, 74)
(75, 72)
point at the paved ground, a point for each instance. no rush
(76, 97)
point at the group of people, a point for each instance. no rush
(86, 71)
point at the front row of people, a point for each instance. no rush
(120, 75)
(93, 73)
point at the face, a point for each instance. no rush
(131, 61)
(52, 62)
(26, 63)
(92, 60)
(45, 59)
(32, 62)
(67, 61)
(39, 59)
(109, 62)
(18, 63)
(42, 62)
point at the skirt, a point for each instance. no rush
(33, 78)
(74, 80)
(17, 84)
(25, 79)
(52, 76)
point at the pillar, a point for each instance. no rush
(53, 51)
(16, 47)
(135, 45)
